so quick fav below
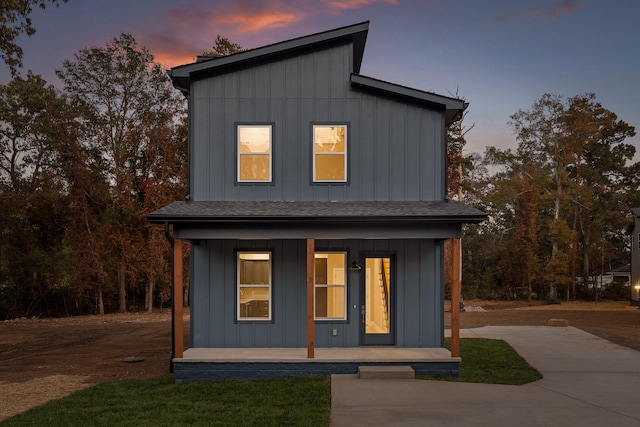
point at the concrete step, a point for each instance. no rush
(386, 372)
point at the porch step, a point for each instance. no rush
(386, 372)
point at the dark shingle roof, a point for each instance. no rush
(314, 211)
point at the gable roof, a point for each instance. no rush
(357, 34)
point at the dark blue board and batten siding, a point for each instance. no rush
(419, 295)
(396, 150)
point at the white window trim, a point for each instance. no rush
(313, 143)
(322, 285)
(269, 285)
(240, 154)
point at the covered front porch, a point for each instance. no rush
(408, 234)
(253, 363)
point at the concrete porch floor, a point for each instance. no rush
(253, 363)
(322, 355)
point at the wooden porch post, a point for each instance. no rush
(310, 284)
(456, 273)
(178, 327)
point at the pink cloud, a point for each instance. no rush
(555, 10)
(237, 17)
(262, 21)
(170, 51)
(181, 34)
(338, 6)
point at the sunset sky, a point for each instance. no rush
(500, 55)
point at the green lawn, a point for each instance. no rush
(304, 401)
(274, 402)
(491, 362)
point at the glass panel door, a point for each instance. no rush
(377, 303)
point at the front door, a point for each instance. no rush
(377, 308)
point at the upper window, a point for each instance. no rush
(330, 286)
(329, 153)
(254, 286)
(254, 153)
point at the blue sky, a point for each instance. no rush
(500, 55)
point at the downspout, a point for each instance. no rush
(173, 309)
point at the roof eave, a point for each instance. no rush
(184, 219)
(453, 107)
(357, 34)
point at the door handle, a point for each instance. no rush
(362, 312)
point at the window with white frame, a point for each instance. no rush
(330, 302)
(254, 286)
(254, 153)
(329, 153)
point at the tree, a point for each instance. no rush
(222, 46)
(33, 205)
(567, 184)
(134, 116)
(455, 160)
(27, 133)
(15, 21)
(540, 134)
(600, 173)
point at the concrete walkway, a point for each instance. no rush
(587, 381)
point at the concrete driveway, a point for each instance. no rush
(587, 381)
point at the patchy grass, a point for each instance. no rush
(272, 402)
(490, 361)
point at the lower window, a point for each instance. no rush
(254, 286)
(330, 302)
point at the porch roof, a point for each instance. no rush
(317, 211)
(316, 219)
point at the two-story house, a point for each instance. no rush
(316, 214)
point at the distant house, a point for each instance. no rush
(635, 257)
(621, 274)
(317, 213)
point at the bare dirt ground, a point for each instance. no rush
(44, 359)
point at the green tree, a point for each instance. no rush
(222, 46)
(599, 174)
(133, 112)
(14, 21)
(33, 206)
(565, 188)
(540, 133)
(25, 137)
